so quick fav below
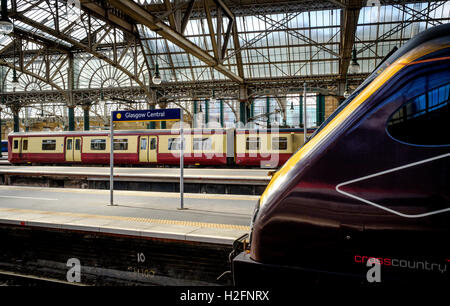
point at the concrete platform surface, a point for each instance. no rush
(238, 176)
(209, 218)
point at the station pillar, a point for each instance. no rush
(268, 111)
(163, 124)
(206, 111)
(71, 118)
(243, 112)
(300, 122)
(152, 124)
(15, 110)
(221, 113)
(195, 111)
(320, 109)
(86, 108)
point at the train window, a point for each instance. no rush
(25, 145)
(202, 143)
(411, 123)
(153, 144)
(252, 143)
(143, 143)
(77, 144)
(69, 144)
(48, 145)
(98, 144)
(279, 143)
(16, 144)
(174, 144)
(120, 144)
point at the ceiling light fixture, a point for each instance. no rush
(6, 26)
(354, 66)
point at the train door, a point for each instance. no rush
(77, 149)
(23, 147)
(69, 149)
(148, 149)
(73, 149)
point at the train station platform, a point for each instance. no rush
(57, 224)
(205, 180)
(222, 217)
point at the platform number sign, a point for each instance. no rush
(73, 275)
(140, 257)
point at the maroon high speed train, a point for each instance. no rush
(372, 182)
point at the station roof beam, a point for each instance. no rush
(143, 16)
(349, 22)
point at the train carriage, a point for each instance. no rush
(267, 147)
(209, 147)
(202, 147)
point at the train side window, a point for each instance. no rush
(202, 143)
(411, 123)
(143, 143)
(16, 144)
(121, 144)
(252, 143)
(98, 144)
(25, 145)
(48, 145)
(174, 144)
(77, 144)
(69, 144)
(153, 144)
(279, 143)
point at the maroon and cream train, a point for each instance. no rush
(265, 148)
(372, 182)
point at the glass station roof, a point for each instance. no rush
(305, 43)
(291, 44)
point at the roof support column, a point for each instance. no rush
(206, 111)
(15, 110)
(320, 109)
(71, 118)
(221, 113)
(86, 108)
(300, 122)
(152, 124)
(195, 111)
(244, 112)
(243, 117)
(349, 23)
(16, 122)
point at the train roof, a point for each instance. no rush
(153, 131)
(116, 132)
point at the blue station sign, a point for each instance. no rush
(168, 114)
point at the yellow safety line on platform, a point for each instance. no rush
(133, 219)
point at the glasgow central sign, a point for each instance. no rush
(169, 114)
